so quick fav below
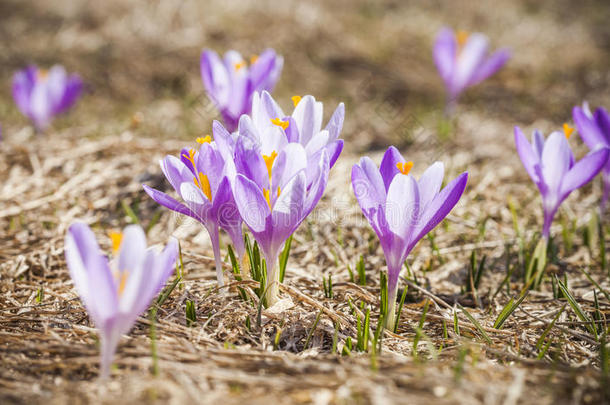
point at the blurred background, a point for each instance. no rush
(140, 61)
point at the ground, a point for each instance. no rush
(144, 99)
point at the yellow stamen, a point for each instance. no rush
(267, 195)
(253, 59)
(239, 66)
(206, 139)
(42, 74)
(122, 282)
(295, 100)
(567, 130)
(269, 159)
(191, 156)
(280, 123)
(462, 37)
(404, 168)
(116, 238)
(204, 184)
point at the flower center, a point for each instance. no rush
(267, 194)
(206, 139)
(116, 238)
(405, 167)
(42, 74)
(567, 130)
(295, 100)
(462, 38)
(200, 180)
(269, 159)
(280, 123)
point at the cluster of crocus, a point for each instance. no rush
(463, 60)
(115, 293)
(41, 95)
(401, 209)
(270, 173)
(551, 165)
(230, 82)
(594, 129)
(203, 180)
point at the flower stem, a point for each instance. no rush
(109, 344)
(273, 284)
(214, 237)
(391, 316)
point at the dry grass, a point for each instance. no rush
(140, 57)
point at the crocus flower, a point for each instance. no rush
(463, 61)
(551, 165)
(115, 293)
(203, 181)
(272, 129)
(274, 196)
(41, 95)
(230, 82)
(594, 129)
(401, 209)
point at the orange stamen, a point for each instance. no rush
(462, 37)
(567, 130)
(204, 184)
(295, 100)
(122, 282)
(269, 159)
(116, 238)
(404, 168)
(253, 59)
(206, 139)
(239, 66)
(280, 123)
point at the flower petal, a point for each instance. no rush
(251, 203)
(388, 168)
(445, 48)
(430, 183)
(583, 171)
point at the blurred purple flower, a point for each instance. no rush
(400, 209)
(116, 293)
(551, 165)
(41, 95)
(230, 82)
(594, 129)
(203, 180)
(274, 196)
(463, 61)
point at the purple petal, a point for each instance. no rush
(583, 171)
(133, 248)
(468, 61)
(527, 154)
(490, 66)
(402, 205)
(168, 201)
(308, 116)
(445, 48)
(588, 129)
(439, 208)
(215, 78)
(251, 203)
(603, 122)
(335, 124)
(288, 210)
(388, 168)
(430, 183)
(555, 160)
(91, 274)
(264, 72)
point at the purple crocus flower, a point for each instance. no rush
(230, 82)
(274, 194)
(41, 95)
(551, 165)
(115, 293)
(594, 129)
(203, 180)
(400, 209)
(463, 61)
